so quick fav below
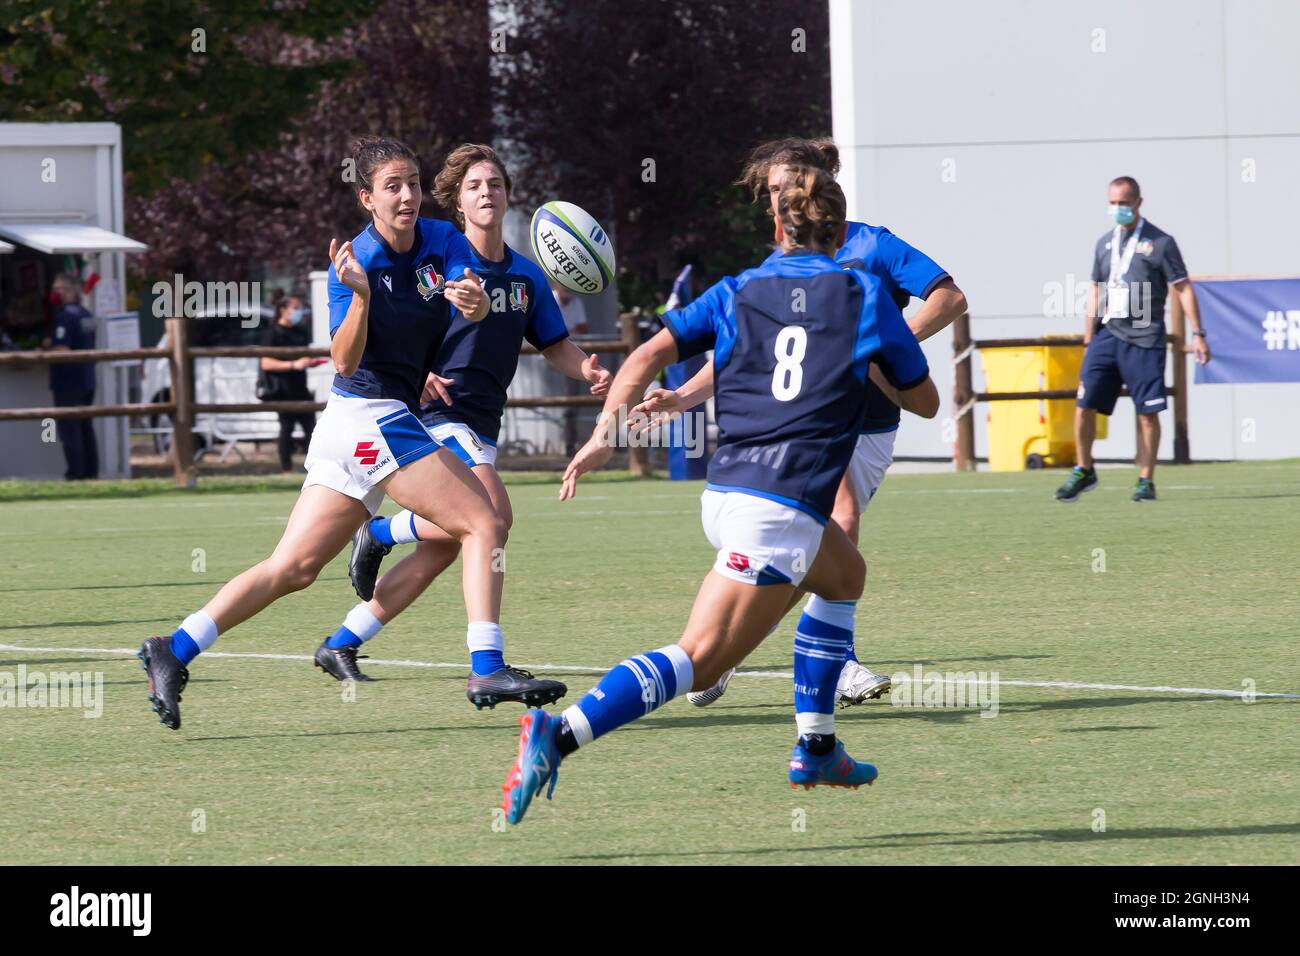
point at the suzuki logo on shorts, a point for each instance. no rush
(366, 453)
(738, 562)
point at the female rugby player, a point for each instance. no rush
(792, 341)
(390, 292)
(479, 360)
(904, 272)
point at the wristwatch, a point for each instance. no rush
(1199, 333)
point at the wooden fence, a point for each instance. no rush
(183, 409)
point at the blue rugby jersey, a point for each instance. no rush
(481, 357)
(791, 343)
(905, 272)
(408, 314)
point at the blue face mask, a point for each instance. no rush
(1123, 215)
(296, 316)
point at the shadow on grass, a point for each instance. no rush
(1089, 730)
(208, 583)
(459, 728)
(921, 840)
(736, 716)
(57, 624)
(36, 660)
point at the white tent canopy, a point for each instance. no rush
(5, 248)
(60, 238)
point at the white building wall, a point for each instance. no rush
(985, 134)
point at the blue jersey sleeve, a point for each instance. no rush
(457, 254)
(910, 268)
(545, 322)
(898, 353)
(340, 297)
(695, 327)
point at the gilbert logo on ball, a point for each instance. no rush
(572, 248)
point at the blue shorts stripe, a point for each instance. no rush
(407, 439)
(452, 443)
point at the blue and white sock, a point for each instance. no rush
(196, 634)
(821, 641)
(486, 647)
(358, 627)
(399, 529)
(633, 689)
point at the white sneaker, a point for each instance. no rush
(706, 697)
(858, 684)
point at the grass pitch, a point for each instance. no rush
(981, 573)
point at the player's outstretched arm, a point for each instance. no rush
(566, 357)
(920, 400)
(943, 306)
(665, 401)
(629, 385)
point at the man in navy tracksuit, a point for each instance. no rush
(73, 383)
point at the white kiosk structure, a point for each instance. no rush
(61, 194)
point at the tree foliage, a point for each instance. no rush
(643, 113)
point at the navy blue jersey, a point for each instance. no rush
(904, 272)
(481, 357)
(72, 330)
(791, 344)
(408, 314)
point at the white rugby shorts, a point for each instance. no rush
(469, 446)
(759, 541)
(872, 456)
(359, 442)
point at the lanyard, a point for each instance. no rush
(1119, 266)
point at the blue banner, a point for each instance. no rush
(1254, 330)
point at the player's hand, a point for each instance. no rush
(597, 376)
(590, 456)
(348, 269)
(467, 295)
(660, 407)
(435, 386)
(1201, 349)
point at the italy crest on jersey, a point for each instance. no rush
(519, 296)
(428, 282)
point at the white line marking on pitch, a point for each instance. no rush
(581, 668)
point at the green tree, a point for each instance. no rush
(192, 84)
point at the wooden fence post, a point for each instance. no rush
(638, 460)
(1178, 345)
(182, 363)
(963, 393)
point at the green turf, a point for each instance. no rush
(967, 572)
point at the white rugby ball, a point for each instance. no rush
(572, 248)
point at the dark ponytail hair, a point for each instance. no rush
(793, 151)
(369, 153)
(812, 208)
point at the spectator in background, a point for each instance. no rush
(285, 380)
(1134, 267)
(73, 383)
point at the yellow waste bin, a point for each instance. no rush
(1032, 433)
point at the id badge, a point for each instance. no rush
(1117, 300)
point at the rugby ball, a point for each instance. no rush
(572, 248)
